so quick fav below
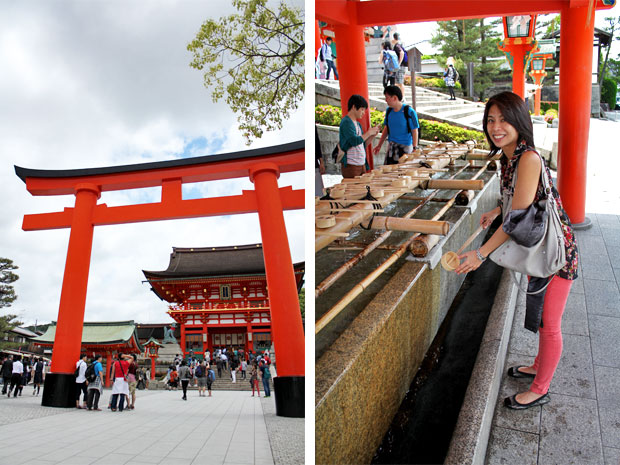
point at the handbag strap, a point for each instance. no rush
(513, 275)
(121, 365)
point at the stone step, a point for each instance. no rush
(458, 112)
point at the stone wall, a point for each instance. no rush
(363, 377)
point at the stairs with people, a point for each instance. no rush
(430, 105)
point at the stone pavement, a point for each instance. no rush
(228, 428)
(581, 424)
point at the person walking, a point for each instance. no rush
(7, 373)
(508, 129)
(120, 388)
(80, 381)
(132, 381)
(210, 377)
(201, 377)
(244, 367)
(450, 76)
(352, 140)
(327, 56)
(389, 60)
(16, 376)
(401, 127)
(266, 376)
(38, 376)
(184, 376)
(403, 63)
(95, 387)
(254, 379)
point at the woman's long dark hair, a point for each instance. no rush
(515, 112)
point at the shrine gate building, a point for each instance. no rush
(219, 297)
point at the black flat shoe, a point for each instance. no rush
(511, 402)
(515, 373)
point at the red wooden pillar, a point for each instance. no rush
(518, 70)
(576, 37)
(153, 368)
(317, 38)
(60, 383)
(183, 339)
(352, 68)
(108, 368)
(205, 336)
(286, 324)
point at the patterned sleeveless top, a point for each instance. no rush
(570, 241)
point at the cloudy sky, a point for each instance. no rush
(99, 83)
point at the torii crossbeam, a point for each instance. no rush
(263, 167)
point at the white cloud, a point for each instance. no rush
(101, 83)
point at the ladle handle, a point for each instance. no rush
(469, 240)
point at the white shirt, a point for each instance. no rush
(82, 377)
(18, 367)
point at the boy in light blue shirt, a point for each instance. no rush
(401, 127)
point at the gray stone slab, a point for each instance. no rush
(596, 266)
(595, 230)
(508, 446)
(521, 420)
(604, 337)
(613, 252)
(602, 297)
(577, 287)
(591, 244)
(605, 220)
(575, 318)
(608, 395)
(612, 455)
(522, 341)
(574, 375)
(569, 432)
(611, 236)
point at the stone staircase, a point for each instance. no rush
(430, 105)
(222, 384)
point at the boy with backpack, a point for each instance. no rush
(401, 127)
(391, 65)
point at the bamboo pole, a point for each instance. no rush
(412, 225)
(461, 184)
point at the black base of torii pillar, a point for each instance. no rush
(59, 390)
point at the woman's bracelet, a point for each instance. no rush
(480, 256)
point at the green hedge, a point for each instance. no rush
(434, 130)
(544, 106)
(608, 92)
(431, 130)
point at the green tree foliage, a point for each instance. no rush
(470, 41)
(608, 92)
(302, 302)
(254, 60)
(7, 323)
(7, 277)
(612, 28)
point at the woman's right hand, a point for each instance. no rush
(487, 218)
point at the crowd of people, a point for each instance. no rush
(127, 376)
(233, 363)
(17, 372)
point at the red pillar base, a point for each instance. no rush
(585, 224)
(59, 390)
(289, 396)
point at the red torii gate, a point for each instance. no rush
(262, 166)
(350, 17)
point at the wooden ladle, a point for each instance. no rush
(450, 260)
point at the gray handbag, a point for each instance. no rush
(548, 255)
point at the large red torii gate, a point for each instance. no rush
(350, 17)
(263, 167)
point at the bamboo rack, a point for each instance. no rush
(370, 278)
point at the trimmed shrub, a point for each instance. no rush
(328, 115)
(434, 82)
(544, 106)
(434, 130)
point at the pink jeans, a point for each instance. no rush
(550, 335)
